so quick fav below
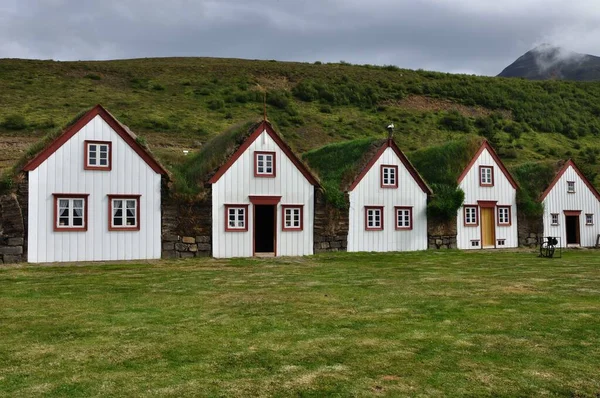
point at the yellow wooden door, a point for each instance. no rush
(488, 230)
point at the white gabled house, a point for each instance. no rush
(94, 195)
(571, 208)
(388, 204)
(263, 200)
(488, 217)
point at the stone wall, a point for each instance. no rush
(186, 228)
(530, 229)
(441, 234)
(331, 226)
(12, 230)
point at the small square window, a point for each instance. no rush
(504, 215)
(571, 186)
(373, 218)
(474, 243)
(486, 176)
(264, 164)
(70, 212)
(292, 217)
(589, 219)
(471, 216)
(554, 219)
(124, 212)
(403, 218)
(98, 155)
(389, 176)
(236, 218)
(501, 242)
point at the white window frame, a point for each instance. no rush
(486, 176)
(265, 158)
(97, 152)
(389, 176)
(70, 206)
(373, 218)
(506, 211)
(473, 210)
(403, 218)
(293, 214)
(238, 224)
(125, 201)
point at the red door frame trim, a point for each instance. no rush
(274, 227)
(264, 200)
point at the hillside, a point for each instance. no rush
(550, 62)
(179, 103)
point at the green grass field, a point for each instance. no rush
(415, 324)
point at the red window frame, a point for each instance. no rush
(264, 175)
(367, 208)
(138, 213)
(57, 197)
(388, 166)
(283, 209)
(509, 223)
(230, 229)
(476, 215)
(481, 184)
(410, 212)
(86, 152)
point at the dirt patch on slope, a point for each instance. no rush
(422, 103)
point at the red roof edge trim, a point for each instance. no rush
(559, 174)
(407, 164)
(97, 110)
(486, 145)
(266, 126)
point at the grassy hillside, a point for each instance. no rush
(179, 103)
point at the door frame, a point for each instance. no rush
(487, 204)
(573, 213)
(264, 200)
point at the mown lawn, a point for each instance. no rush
(417, 324)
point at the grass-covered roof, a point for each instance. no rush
(191, 177)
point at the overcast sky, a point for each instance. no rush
(462, 36)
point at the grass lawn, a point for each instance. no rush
(419, 324)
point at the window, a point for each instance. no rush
(471, 216)
(292, 217)
(474, 243)
(501, 242)
(98, 155)
(389, 176)
(554, 218)
(589, 219)
(373, 218)
(264, 164)
(124, 212)
(571, 186)
(486, 176)
(403, 217)
(504, 215)
(70, 212)
(236, 218)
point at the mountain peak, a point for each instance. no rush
(548, 61)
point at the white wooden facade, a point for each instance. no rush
(59, 172)
(581, 202)
(407, 194)
(237, 185)
(479, 197)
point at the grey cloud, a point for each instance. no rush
(466, 36)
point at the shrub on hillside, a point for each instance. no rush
(14, 122)
(455, 121)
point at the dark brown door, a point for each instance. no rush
(572, 225)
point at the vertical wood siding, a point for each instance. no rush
(63, 172)
(558, 200)
(502, 192)
(368, 192)
(239, 182)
